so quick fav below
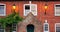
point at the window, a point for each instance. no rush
(34, 9)
(46, 27)
(57, 9)
(2, 9)
(26, 9)
(1, 28)
(57, 27)
(30, 8)
(14, 27)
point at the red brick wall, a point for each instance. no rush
(40, 9)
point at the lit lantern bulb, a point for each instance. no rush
(46, 6)
(14, 6)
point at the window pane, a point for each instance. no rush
(1, 9)
(27, 10)
(27, 7)
(34, 9)
(57, 5)
(46, 27)
(14, 26)
(57, 10)
(1, 28)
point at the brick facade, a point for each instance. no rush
(50, 16)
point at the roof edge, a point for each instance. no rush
(29, 0)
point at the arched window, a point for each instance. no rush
(46, 26)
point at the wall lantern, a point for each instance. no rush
(14, 6)
(46, 6)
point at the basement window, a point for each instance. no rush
(57, 27)
(57, 9)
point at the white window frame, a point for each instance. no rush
(44, 27)
(55, 9)
(55, 26)
(24, 8)
(4, 9)
(30, 8)
(36, 9)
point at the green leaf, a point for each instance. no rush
(12, 18)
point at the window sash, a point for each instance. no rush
(46, 27)
(57, 9)
(34, 9)
(57, 27)
(26, 11)
(14, 27)
(3, 9)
